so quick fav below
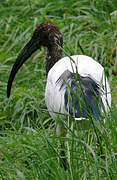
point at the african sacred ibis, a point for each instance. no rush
(62, 85)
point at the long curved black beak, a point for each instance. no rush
(25, 53)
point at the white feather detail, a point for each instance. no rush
(85, 66)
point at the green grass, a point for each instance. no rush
(29, 147)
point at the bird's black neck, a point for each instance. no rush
(53, 55)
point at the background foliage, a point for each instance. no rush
(28, 144)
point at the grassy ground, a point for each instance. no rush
(29, 148)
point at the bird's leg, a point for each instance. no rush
(99, 145)
(63, 157)
(61, 132)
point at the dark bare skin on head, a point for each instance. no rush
(46, 34)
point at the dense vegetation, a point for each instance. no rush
(29, 148)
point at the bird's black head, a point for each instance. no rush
(46, 34)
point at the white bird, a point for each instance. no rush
(65, 93)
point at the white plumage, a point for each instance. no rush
(87, 67)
